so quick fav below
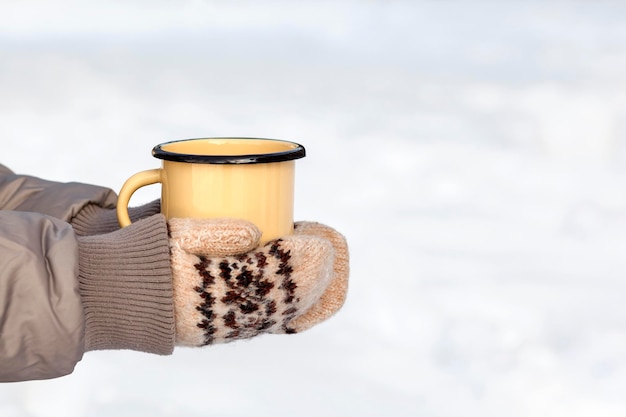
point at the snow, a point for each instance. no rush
(472, 153)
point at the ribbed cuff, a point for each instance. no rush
(95, 220)
(126, 288)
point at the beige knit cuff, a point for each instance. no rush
(95, 220)
(126, 288)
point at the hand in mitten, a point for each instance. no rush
(226, 288)
(205, 281)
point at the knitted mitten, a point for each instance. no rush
(226, 288)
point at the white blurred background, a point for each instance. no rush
(472, 152)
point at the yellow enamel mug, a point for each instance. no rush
(244, 178)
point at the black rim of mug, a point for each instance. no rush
(296, 152)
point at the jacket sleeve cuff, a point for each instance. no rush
(125, 284)
(95, 220)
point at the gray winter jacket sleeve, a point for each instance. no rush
(60, 292)
(41, 315)
(59, 200)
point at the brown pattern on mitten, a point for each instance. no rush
(266, 290)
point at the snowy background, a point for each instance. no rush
(472, 152)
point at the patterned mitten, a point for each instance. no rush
(226, 288)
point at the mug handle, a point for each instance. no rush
(138, 180)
